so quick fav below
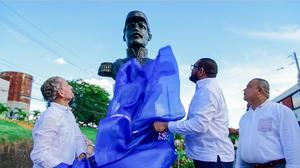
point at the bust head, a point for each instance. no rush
(136, 31)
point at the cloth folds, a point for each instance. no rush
(77, 164)
(142, 95)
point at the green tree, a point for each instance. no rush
(4, 109)
(20, 114)
(35, 115)
(182, 160)
(90, 103)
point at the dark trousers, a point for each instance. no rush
(218, 164)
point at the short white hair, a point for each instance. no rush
(264, 86)
(50, 87)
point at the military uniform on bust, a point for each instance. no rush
(136, 35)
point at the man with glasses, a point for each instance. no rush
(206, 127)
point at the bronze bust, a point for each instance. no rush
(136, 35)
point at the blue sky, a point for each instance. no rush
(71, 38)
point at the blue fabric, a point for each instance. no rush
(142, 95)
(63, 165)
(84, 163)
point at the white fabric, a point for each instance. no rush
(56, 138)
(206, 128)
(270, 132)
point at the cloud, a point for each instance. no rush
(234, 76)
(37, 101)
(106, 83)
(60, 61)
(233, 80)
(287, 33)
(37, 105)
(187, 88)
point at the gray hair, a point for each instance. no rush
(50, 87)
(264, 86)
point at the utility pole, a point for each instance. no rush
(297, 64)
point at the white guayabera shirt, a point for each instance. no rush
(206, 128)
(56, 138)
(270, 132)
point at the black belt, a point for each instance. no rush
(270, 164)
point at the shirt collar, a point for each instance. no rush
(200, 83)
(261, 105)
(61, 107)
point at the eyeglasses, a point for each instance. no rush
(194, 66)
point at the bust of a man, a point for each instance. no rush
(136, 35)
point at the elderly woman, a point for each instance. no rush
(57, 139)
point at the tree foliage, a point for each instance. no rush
(35, 115)
(20, 114)
(182, 160)
(4, 109)
(90, 103)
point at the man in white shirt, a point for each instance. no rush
(269, 132)
(57, 139)
(206, 128)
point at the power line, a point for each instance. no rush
(14, 66)
(37, 83)
(3, 90)
(278, 68)
(39, 42)
(49, 37)
(36, 99)
(43, 32)
(7, 65)
(297, 65)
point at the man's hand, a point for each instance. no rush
(82, 156)
(233, 131)
(89, 151)
(160, 126)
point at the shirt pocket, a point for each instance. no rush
(265, 125)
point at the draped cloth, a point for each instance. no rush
(84, 163)
(142, 95)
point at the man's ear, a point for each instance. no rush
(261, 91)
(150, 36)
(201, 72)
(60, 93)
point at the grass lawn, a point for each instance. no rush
(91, 133)
(12, 132)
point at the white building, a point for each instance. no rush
(4, 88)
(291, 98)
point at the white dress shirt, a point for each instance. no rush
(56, 138)
(206, 128)
(270, 132)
